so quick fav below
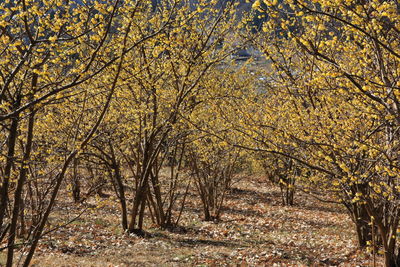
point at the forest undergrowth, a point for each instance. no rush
(255, 230)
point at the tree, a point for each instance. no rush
(144, 129)
(338, 89)
(53, 53)
(213, 165)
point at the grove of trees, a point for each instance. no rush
(146, 99)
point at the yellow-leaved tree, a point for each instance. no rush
(60, 63)
(334, 87)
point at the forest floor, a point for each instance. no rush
(255, 230)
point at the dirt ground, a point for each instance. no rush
(255, 230)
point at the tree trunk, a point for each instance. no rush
(390, 259)
(76, 187)
(138, 208)
(12, 138)
(362, 222)
(159, 204)
(19, 190)
(121, 195)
